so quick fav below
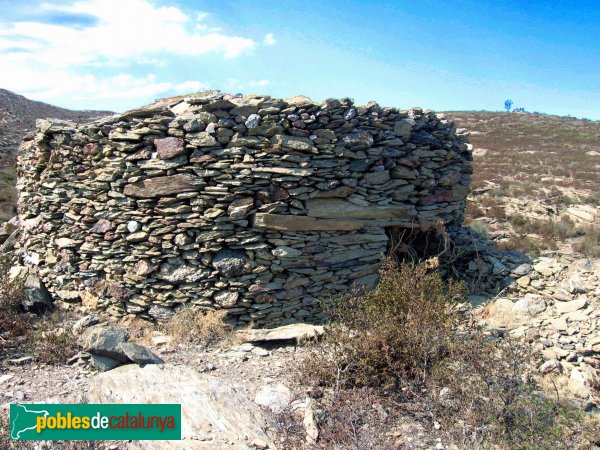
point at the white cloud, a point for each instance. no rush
(236, 85)
(56, 61)
(259, 83)
(269, 39)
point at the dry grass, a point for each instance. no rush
(8, 193)
(43, 337)
(193, 325)
(590, 243)
(480, 228)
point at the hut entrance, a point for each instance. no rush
(412, 245)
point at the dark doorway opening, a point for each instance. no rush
(411, 245)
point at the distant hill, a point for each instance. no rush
(532, 151)
(18, 115)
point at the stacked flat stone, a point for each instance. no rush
(261, 206)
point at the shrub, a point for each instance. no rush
(483, 393)
(474, 211)
(497, 212)
(11, 291)
(498, 192)
(518, 220)
(191, 324)
(407, 347)
(590, 244)
(393, 334)
(481, 229)
(593, 199)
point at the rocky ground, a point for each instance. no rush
(235, 396)
(554, 305)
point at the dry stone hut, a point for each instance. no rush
(257, 205)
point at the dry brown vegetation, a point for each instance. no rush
(194, 325)
(8, 193)
(528, 170)
(533, 151)
(43, 337)
(406, 348)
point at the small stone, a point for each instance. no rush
(85, 322)
(530, 304)
(137, 237)
(161, 313)
(102, 226)
(139, 354)
(521, 270)
(259, 351)
(21, 361)
(573, 305)
(577, 384)
(103, 363)
(252, 121)
(65, 243)
(5, 378)
(133, 226)
(259, 444)
(550, 366)
(105, 341)
(36, 298)
(286, 252)
(240, 208)
(275, 398)
(226, 299)
(545, 267)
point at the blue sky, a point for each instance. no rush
(458, 55)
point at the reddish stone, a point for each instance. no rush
(91, 149)
(102, 226)
(169, 147)
(409, 161)
(203, 159)
(437, 197)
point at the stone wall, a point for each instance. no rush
(258, 205)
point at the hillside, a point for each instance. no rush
(518, 150)
(17, 117)
(536, 183)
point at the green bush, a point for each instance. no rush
(480, 228)
(406, 345)
(391, 335)
(518, 220)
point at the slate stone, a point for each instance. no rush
(230, 263)
(169, 147)
(105, 341)
(139, 354)
(103, 364)
(36, 298)
(161, 186)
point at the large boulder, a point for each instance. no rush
(214, 414)
(109, 347)
(6, 229)
(36, 298)
(105, 341)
